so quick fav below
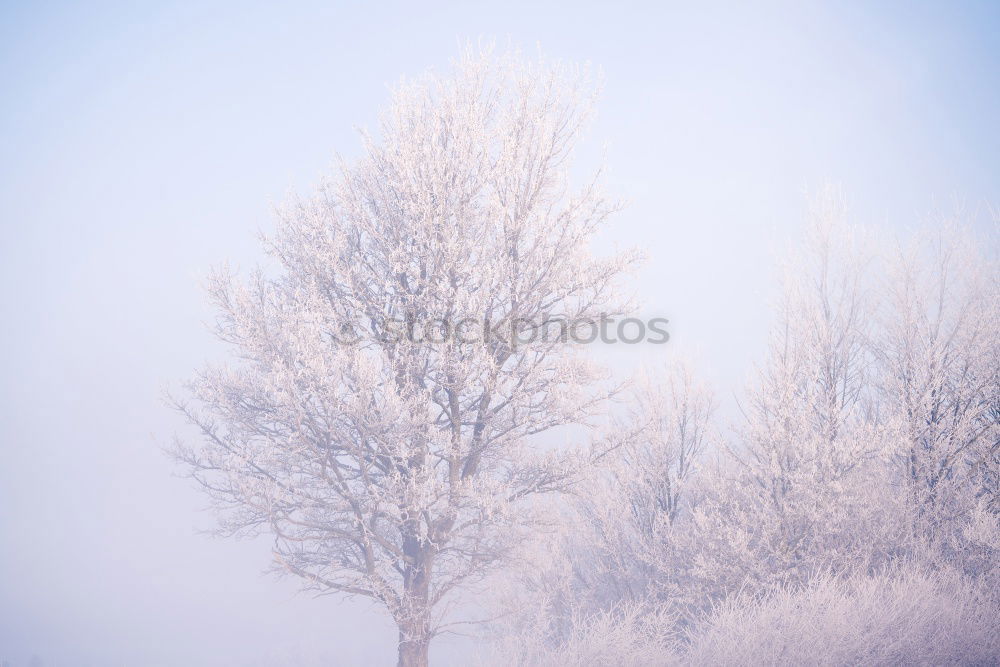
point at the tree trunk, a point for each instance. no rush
(415, 620)
(412, 648)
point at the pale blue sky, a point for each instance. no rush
(142, 144)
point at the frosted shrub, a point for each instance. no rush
(906, 617)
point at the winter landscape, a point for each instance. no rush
(517, 349)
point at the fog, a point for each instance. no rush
(143, 145)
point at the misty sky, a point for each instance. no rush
(142, 143)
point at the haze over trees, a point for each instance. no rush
(395, 451)
(850, 516)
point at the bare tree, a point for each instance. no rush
(382, 422)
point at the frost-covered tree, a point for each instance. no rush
(810, 398)
(939, 360)
(614, 558)
(629, 513)
(858, 496)
(804, 485)
(382, 421)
